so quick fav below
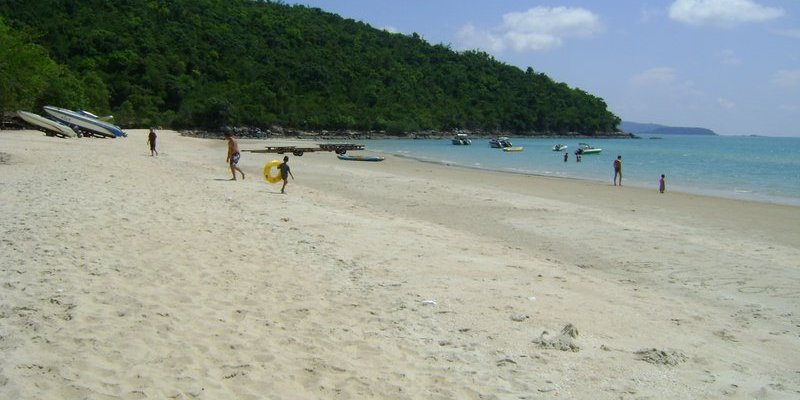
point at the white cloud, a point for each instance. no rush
(647, 14)
(787, 77)
(728, 57)
(721, 12)
(654, 76)
(471, 37)
(792, 33)
(725, 103)
(539, 28)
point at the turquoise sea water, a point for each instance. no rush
(750, 168)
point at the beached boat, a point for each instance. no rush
(560, 147)
(348, 157)
(48, 125)
(585, 148)
(461, 139)
(92, 126)
(105, 118)
(513, 148)
(500, 142)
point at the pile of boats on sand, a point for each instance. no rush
(67, 123)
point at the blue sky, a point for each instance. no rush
(728, 65)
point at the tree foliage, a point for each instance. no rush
(188, 63)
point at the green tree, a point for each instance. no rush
(26, 70)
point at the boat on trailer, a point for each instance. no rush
(85, 123)
(49, 126)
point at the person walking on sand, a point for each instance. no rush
(233, 155)
(285, 172)
(618, 170)
(662, 184)
(151, 140)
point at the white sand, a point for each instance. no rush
(130, 276)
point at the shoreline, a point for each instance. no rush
(742, 196)
(126, 275)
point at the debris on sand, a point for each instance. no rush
(564, 341)
(667, 357)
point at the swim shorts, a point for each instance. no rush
(235, 158)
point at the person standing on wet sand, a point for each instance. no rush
(233, 155)
(285, 172)
(662, 184)
(618, 170)
(151, 140)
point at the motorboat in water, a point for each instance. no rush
(85, 123)
(500, 142)
(560, 147)
(585, 148)
(461, 139)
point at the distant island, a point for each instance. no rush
(656, 129)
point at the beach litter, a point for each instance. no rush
(519, 317)
(564, 341)
(661, 357)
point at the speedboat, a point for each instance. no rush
(585, 148)
(48, 125)
(348, 157)
(92, 126)
(461, 139)
(500, 142)
(560, 147)
(106, 118)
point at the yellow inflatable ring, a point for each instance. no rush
(272, 171)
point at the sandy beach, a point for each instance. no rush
(126, 276)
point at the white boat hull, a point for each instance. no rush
(85, 122)
(47, 124)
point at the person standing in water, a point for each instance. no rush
(233, 155)
(618, 170)
(285, 172)
(151, 140)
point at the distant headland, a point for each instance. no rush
(656, 129)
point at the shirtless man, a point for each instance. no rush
(233, 155)
(618, 170)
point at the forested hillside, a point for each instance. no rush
(208, 63)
